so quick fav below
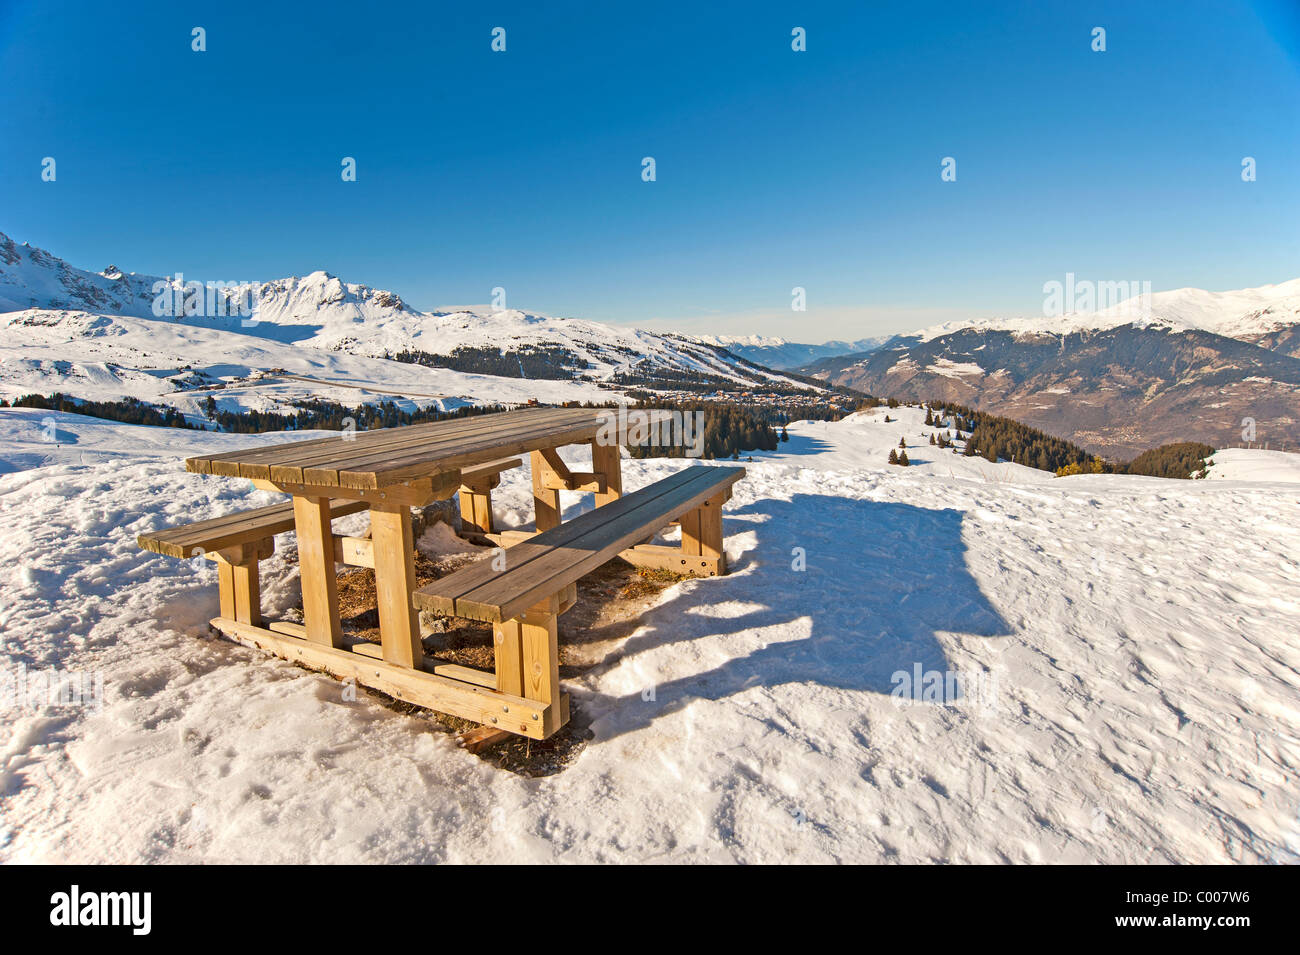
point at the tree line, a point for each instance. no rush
(127, 410)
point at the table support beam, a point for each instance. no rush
(607, 460)
(320, 593)
(394, 557)
(546, 502)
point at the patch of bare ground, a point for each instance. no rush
(610, 602)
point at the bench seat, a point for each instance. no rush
(547, 563)
(237, 542)
(231, 530)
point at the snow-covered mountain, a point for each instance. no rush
(1182, 365)
(112, 333)
(1244, 314)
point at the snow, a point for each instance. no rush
(102, 333)
(954, 369)
(1245, 464)
(1235, 314)
(103, 357)
(1142, 636)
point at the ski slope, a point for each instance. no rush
(1142, 635)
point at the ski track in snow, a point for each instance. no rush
(1144, 635)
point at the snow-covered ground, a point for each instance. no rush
(108, 357)
(1141, 636)
(1241, 464)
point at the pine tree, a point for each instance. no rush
(902, 459)
(893, 456)
(932, 441)
(902, 442)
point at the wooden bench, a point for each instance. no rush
(237, 542)
(538, 582)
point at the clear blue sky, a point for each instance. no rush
(775, 169)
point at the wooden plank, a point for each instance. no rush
(556, 464)
(475, 511)
(321, 463)
(458, 698)
(454, 671)
(202, 464)
(690, 522)
(308, 450)
(429, 449)
(710, 529)
(394, 558)
(507, 641)
(541, 660)
(553, 559)
(257, 462)
(481, 738)
(472, 474)
(248, 593)
(442, 594)
(355, 551)
(607, 460)
(509, 595)
(657, 557)
(231, 530)
(226, 588)
(546, 501)
(392, 471)
(320, 597)
(584, 481)
(415, 493)
(511, 537)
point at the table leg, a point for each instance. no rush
(394, 550)
(546, 502)
(508, 645)
(320, 592)
(702, 531)
(607, 459)
(476, 507)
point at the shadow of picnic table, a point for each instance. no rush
(880, 579)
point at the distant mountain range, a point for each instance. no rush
(134, 325)
(779, 353)
(1185, 365)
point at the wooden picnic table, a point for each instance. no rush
(395, 469)
(388, 472)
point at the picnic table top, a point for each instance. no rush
(365, 460)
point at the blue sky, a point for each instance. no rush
(775, 169)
